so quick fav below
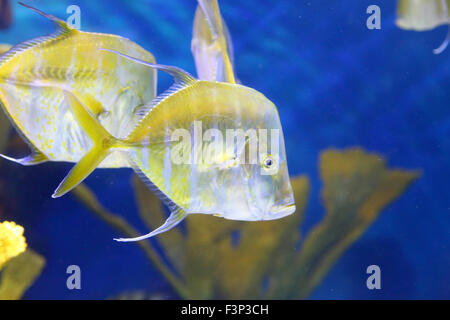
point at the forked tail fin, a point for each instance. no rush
(102, 140)
(104, 143)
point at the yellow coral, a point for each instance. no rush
(12, 241)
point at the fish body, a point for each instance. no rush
(211, 44)
(34, 74)
(212, 179)
(422, 15)
(209, 182)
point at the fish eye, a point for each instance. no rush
(268, 162)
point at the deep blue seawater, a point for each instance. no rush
(336, 84)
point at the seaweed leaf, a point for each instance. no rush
(19, 273)
(219, 258)
(357, 186)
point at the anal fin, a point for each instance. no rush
(177, 213)
(36, 157)
(175, 218)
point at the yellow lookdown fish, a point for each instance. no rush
(211, 44)
(34, 74)
(421, 15)
(193, 172)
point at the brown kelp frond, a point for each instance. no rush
(19, 273)
(357, 186)
(218, 258)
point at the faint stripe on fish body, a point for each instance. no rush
(167, 173)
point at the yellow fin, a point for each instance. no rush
(63, 30)
(215, 21)
(180, 76)
(81, 170)
(175, 218)
(58, 22)
(102, 140)
(87, 100)
(36, 157)
(182, 79)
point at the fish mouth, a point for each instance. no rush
(278, 212)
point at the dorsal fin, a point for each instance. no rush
(220, 33)
(58, 22)
(182, 80)
(63, 30)
(210, 17)
(178, 74)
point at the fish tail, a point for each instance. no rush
(103, 143)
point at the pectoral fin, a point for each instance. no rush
(90, 103)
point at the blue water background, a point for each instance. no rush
(336, 84)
